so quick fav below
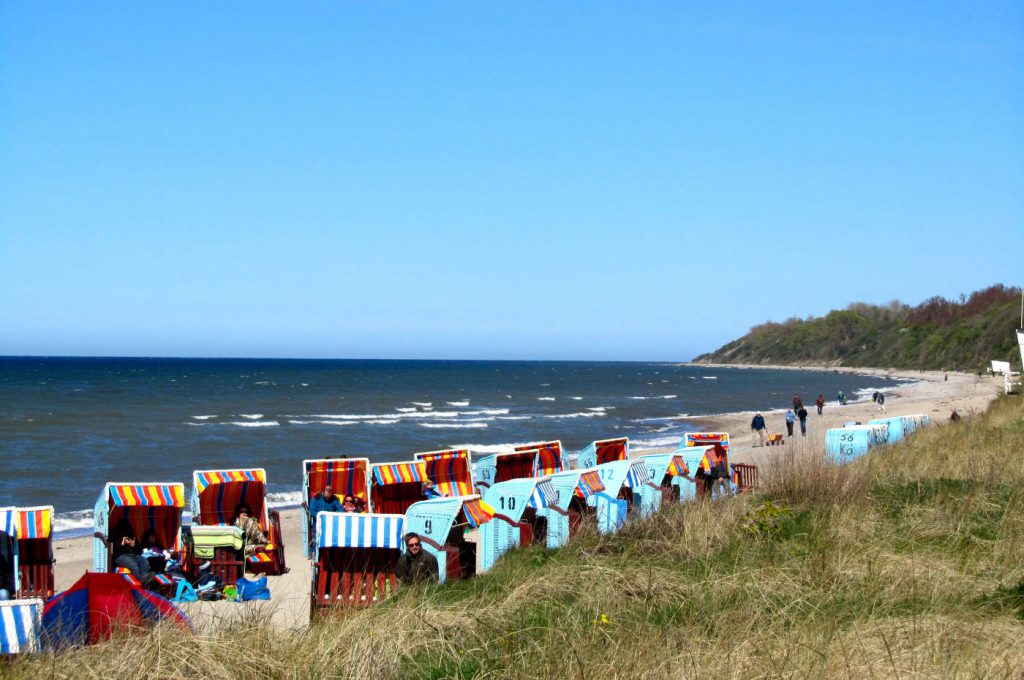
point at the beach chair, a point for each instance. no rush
(442, 524)
(35, 551)
(515, 504)
(549, 458)
(451, 470)
(216, 494)
(894, 428)
(355, 560)
(10, 578)
(914, 422)
(670, 473)
(529, 460)
(626, 492)
(145, 506)
(692, 439)
(396, 486)
(603, 451)
(20, 623)
(845, 444)
(564, 515)
(347, 476)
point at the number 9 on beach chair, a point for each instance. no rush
(346, 476)
(145, 506)
(355, 559)
(515, 504)
(215, 496)
(442, 525)
(35, 551)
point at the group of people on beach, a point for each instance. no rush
(793, 415)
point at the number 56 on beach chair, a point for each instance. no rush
(355, 559)
(346, 476)
(442, 525)
(145, 506)
(217, 493)
(515, 504)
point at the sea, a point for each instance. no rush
(69, 425)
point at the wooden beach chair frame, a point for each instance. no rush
(348, 476)
(35, 551)
(146, 505)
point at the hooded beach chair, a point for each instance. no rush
(145, 506)
(692, 439)
(215, 496)
(442, 524)
(603, 451)
(396, 486)
(355, 559)
(451, 470)
(894, 428)
(671, 473)
(20, 622)
(572, 489)
(914, 422)
(844, 444)
(10, 578)
(347, 476)
(514, 502)
(627, 492)
(528, 460)
(549, 457)
(35, 551)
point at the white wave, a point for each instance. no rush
(652, 443)
(377, 416)
(710, 377)
(196, 424)
(262, 423)
(515, 417)
(454, 426)
(545, 384)
(304, 384)
(486, 412)
(379, 421)
(203, 417)
(458, 403)
(638, 398)
(324, 422)
(284, 499)
(262, 382)
(64, 522)
(581, 414)
(577, 398)
(664, 419)
(251, 416)
(406, 410)
(489, 448)
(599, 408)
(545, 398)
(668, 396)
(424, 404)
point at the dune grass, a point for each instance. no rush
(908, 563)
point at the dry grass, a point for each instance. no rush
(909, 563)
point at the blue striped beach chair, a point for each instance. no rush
(20, 623)
(347, 476)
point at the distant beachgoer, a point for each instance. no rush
(842, 398)
(820, 403)
(802, 415)
(790, 420)
(255, 539)
(719, 473)
(416, 565)
(127, 553)
(954, 416)
(879, 399)
(798, 403)
(430, 490)
(759, 428)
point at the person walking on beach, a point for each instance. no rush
(842, 398)
(879, 399)
(820, 403)
(790, 419)
(802, 415)
(758, 426)
(798, 403)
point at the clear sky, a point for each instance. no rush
(519, 180)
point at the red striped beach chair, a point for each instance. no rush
(451, 471)
(35, 551)
(396, 486)
(145, 506)
(347, 476)
(216, 494)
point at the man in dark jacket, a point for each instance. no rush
(416, 565)
(758, 426)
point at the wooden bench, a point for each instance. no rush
(746, 477)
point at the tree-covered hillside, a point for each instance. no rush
(938, 334)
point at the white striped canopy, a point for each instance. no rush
(637, 475)
(354, 530)
(19, 625)
(544, 494)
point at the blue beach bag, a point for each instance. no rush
(252, 590)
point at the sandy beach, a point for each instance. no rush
(935, 394)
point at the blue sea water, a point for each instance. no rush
(69, 425)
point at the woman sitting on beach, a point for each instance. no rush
(255, 539)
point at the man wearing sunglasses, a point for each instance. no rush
(416, 565)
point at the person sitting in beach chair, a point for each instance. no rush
(128, 554)
(154, 553)
(325, 502)
(255, 539)
(416, 565)
(719, 474)
(430, 490)
(349, 505)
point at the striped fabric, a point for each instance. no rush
(590, 483)
(477, 512)
(348, 477)
(35, 522)
(707, 439)
(19, 626)
(348, 530)
(259, 557)
(450, 473)
(543, 495)
(167, 495)
(637, 476)
(442, 455)
(549, 459)
(611, 449)
(7, 522)
(204, 478)
(398, 473)
(678, 467)
(708, 460)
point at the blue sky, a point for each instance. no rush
(495, 180)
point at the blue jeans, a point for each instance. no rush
(138, 565)
(803, 426)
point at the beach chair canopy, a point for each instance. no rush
(347, 476)
(612, 449)
(97, 604)
(638, 475)
(691, 439)
(216, 494)
(34, 523)
(451, 470)
(359, 530)
(144, 506)
(510, 499)
(396, 486)
(19, 625)
(548, 457)
(579, 483)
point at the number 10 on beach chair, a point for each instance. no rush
(215, 496)
(515, 504)
(355, 559)
(144, 505)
